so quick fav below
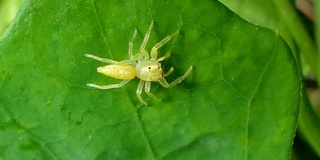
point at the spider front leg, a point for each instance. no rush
(169, 72)
(167, 55)
(124, 82)
(154, 50)
(164, 83)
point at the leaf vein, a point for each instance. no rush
(246, 147)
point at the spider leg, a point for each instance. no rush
(131, 45)
(167, 55)
(165, 84)
(146, 37)
(101, 59)
(145, 41)
(138, 92)
(169, 72)
(124, 82)
(136, 57)
(154, 50)
(147, 90)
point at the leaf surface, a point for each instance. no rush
(294, 30)
(239, 102)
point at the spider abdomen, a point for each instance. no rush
(119, 71)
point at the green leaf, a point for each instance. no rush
(239, 102)
(294, 30)
(284, 16)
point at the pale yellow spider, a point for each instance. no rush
(140, 65)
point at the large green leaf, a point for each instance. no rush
(294, 29)
(239, 102)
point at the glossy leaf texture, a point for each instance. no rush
(239, 102)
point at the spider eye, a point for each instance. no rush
(149, 68)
